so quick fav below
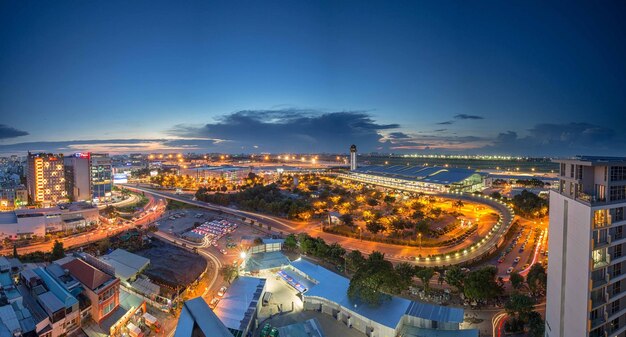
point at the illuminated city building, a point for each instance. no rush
(46, 179)
(78, 182)
(418, 178)
(587, 264)
(101, 174)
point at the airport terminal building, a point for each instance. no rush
(430, 179)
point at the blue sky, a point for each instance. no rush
(307, 76)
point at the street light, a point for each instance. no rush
(242, 255)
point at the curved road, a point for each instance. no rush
(392, 252)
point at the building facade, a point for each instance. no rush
(77, 179)
(353, 165)
(101, 176)
(46, 179)
(586, 293)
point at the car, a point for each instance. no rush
(214, 302)
(222, 291)
(510, 270)
(516, 259)
(223, 251)
(500, 260)
(526, 266)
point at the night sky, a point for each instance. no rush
(483, 77)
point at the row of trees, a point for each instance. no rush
(266, 199)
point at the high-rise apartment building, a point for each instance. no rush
(101, 171)
(586, 293)
(46, 179)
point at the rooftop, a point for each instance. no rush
(240, 301)
(308, 328)
(197, 319)
(126, 264)
(87, 274)
(432, 174)
(334, 287)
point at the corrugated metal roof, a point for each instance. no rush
(242, 295)
(196, 314)
(435, 312)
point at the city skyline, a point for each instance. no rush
(530, 79)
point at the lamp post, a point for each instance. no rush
(419, 236)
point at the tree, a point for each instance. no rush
(496, 195)
(15, 252)
(455, 277)
(458, 204)
(58, 251)
(354, 260)
(376, 278)
(516, 280)
(519, 307)
(229, 272)
(481, 284)
(528, 204)
(104, 245)
(374, 227)
(425, 275)
(347, 219)
(537, 278)
(405, 272)
(536, 325)
(291, 242)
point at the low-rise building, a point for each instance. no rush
(28, 223)
(101, 288)
(322, 290)
(198, 320)
(126, 265)
(239, 307)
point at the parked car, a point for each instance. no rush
(221, 292)
(510, 270)
(516, 259)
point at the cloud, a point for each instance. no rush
(562, 140)
(10, 132)
(434, 142)
(465, 116)
(446, 123)
(440, 130)
(112, 146)
(291, 130)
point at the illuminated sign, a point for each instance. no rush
(120, 178)
(83, 155)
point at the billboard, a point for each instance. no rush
(120, 178)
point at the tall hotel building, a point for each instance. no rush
(586, 293)
(46, 179)
(89, 176)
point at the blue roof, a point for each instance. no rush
(431, 174)
(334, 287)
(196, 314)
(63, 295)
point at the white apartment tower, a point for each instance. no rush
(352, 157)
(586, 293)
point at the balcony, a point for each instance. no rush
(600, 282)
(601, 262)
(602, 242)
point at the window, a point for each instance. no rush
(579, 172)
(617, 214)
(618, 173)
(617, 287)
(108, 308)
(614, 307)
(617, 251)
(571, 171)
(618, 193)
(617, 270)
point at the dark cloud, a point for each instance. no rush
(113, 146)
(398, 135)
(290, 130)
(446, 123)
(440, 130)
(465, 116)
(10, 132)
(561, 140)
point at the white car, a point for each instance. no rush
(221, 292)
(516, 259)
(510, 270)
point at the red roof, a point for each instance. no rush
(88, 275)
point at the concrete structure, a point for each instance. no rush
(101, 288)
(309, 328)
(26, 223)
(325, 291)
(77, 181)
(586, 269)
(239, 307)
(45, 177)
(353, 165)
(418, 178)
(198, 320)
(125, 264)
